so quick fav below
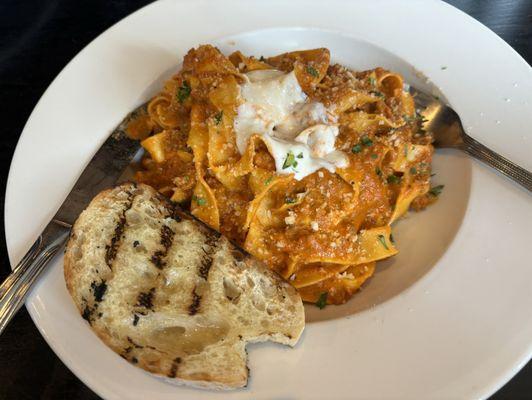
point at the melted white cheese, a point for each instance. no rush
(303, 115)
(297, 132)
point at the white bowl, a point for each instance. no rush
(449, 317)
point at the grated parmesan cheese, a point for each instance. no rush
(291, 219)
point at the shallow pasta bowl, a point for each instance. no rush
(448, 317)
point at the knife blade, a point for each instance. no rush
(102, 172)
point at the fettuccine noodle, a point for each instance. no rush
(325, 231)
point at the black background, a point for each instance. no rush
(37, 39)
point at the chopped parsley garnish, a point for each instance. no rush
(374, 156)
(377, 93)
(366, 141)
(322, 301)
(413, 170)
(382, 239)
(372, 81)
(268, 181)
(436, 190)
(300, 155)
(200, 201)
(378, 171)
(408, 118)
(183, 92)
(394, 179)
(312, 71)
(290, 160)
(289, 200)
(218, 117)
(422, 118)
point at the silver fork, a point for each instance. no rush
(445, 125)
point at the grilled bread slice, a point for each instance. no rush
(169, 294)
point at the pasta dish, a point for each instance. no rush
(304, 163)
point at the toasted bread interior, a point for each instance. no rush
(169, 294)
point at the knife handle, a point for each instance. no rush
(15, 288)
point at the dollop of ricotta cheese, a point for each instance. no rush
(300, 134)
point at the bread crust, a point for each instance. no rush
(169, 294)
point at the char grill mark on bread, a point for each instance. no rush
(99, 290)
(189, 320)
(173, 369)
(145, 299)
(112, 247)
(209, 248)
(211, 241)
(195, 303)
(167, 236)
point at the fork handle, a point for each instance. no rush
(501, 164)
(15, 288)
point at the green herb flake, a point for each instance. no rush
(322, 301)
(268, 181)
(300, 155)
(393, 179)
(382, 239)
(372, 81)
(312, 71)
(374, 156)
(408, 118)
(289, 200)
(422, 118)
(218, 117)
(290, 160)
(200, 201)
(183, 92)
(378, 171)
(413, 171)
(444, 67)
(356, 149)
(377, 93)
(436, 190)
(366, 141)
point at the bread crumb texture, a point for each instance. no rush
(169, 294)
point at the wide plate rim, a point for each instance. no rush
(481, 392)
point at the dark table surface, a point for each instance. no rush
(37, 39)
